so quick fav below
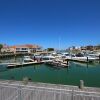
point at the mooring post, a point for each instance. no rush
(87, 59)
(67, 61)
(15, 58)
(99, 58)
(81, 86)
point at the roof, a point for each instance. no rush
(25, 46)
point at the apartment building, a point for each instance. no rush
(27, 48)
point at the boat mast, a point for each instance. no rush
(59, 43)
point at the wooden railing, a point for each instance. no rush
(16, 90)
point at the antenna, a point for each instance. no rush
(59, 43)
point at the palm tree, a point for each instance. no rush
(1, 46)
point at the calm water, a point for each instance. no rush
(69, 76)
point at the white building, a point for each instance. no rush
(28, 48)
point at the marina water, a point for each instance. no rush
(48, 74)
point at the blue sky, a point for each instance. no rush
(46, 22)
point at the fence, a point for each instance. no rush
(40, 91)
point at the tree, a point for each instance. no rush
(50, 49)
(1, 46)
(97, 47)
(89, 47)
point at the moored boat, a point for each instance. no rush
(27, 59)
(48, 58)
(58, 63)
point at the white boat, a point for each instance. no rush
(48, 58)
(94, 55)
(27, 59)
(36, 56)
(88, 58)
(67, 55)
(58, 63)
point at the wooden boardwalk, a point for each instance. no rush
(16, 90)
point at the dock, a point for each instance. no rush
(17, 90)
(23, 64)
(14, 65)
(78, 60)
(87, 60)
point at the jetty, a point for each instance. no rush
(14, 65)
(17, 90)
(79, 60)
(83, 59)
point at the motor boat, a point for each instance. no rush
(27, 59)
(48, 58)
(58, 63)
(81, 57)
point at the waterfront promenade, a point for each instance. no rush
(17, 90)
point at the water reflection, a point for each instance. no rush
(87, 65)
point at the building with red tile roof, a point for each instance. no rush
(27, 48)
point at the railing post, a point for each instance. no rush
(25, 80)
(19, 93)
(72, 95)
(81, 86)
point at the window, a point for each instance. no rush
(24, 48)
(17, 48)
